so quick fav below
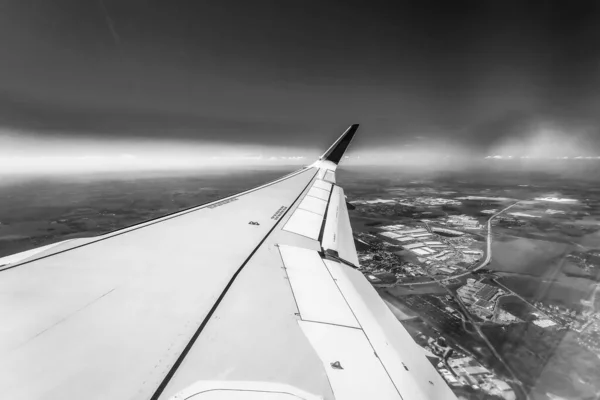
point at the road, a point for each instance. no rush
(488, 257)
(489, 345)
(488, 253)
(593, 298)
(510, 292)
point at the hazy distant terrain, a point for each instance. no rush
(35, 212)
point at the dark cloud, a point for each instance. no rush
(114, 123)
(290, 72)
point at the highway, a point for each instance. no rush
(593, 298)
(509, 291)
(489, 345)
(488, 253)
(486, 261)
(488, 257)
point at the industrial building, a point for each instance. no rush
(413, 246)
(420, 235)
(446, 231)
(420, 252)
(418, 230)
(389, 234)
(475, 252)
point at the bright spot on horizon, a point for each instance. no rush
(33, 154)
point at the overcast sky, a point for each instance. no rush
(473, 77)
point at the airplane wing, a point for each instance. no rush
(258, 295)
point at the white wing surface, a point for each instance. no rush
(254, 296)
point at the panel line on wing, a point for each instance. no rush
(318, 193)
(312, 212)
(353, 368)
(324, 224)
(314, 205)
(317, 296)
(331, 323)
(321, 184)
(331, 264)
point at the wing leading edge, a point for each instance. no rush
(202, 304)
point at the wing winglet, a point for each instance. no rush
(337, 149)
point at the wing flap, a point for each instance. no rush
(412, 374)
(352, 368)
(330, 233)
(315, 292)
(345, 239)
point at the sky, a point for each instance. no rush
(188, 82)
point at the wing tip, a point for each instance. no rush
(339, 147)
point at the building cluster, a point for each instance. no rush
(428, 201)
(376, 261)
(413, 239)
(463, 370)
(413, 207)
(379, 264)
(508, 220)
(588, 261)
(586, 323)
(375, 201)
(376, 207)
(562, 314)
(463, 222)
(437, 254)
(440, 249)
(382, 267)
(589, 335)
(480, 298)
(581, 322)
(446, 231)
(421, 201)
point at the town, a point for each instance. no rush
(428, 242)
(423, 249)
